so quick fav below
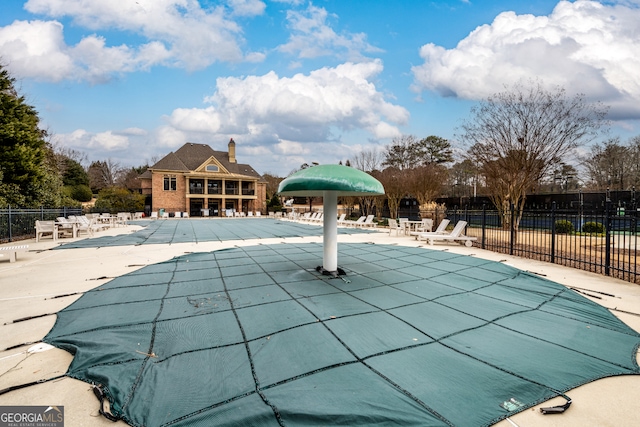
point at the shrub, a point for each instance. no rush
(593, 227)
(564, 227)
(119, 200)
(81, 193)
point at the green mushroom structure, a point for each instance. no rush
(330, 182)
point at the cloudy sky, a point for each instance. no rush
(294, 81)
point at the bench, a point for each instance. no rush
(46, 227)
(12, 251)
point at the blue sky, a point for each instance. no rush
(294, 81)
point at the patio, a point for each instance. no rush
(42, 278)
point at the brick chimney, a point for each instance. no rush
(232, 151)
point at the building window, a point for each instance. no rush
(212, 168)
(169, 183)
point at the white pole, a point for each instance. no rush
(330, 232)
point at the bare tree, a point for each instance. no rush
(104, 174)
(425, 182)
(518, 135)
(367, 160)
(611, 165)
(272, 183)
(395, 186)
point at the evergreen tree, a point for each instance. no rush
(23, 149)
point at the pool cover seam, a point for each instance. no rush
(358, 359)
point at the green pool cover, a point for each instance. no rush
(254, 336)
(206, 230)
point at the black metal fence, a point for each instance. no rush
(18, 224)
(602, 240)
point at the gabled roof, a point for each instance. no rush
(191, 156)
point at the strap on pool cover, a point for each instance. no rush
(557, 409)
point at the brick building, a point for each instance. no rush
(201, 181)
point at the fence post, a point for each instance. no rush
(609, 226)
(553, 232)
(484, 224)
(9, 224)
(513, 229)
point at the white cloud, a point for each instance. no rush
(168, 136)
(109, 141)
(289, 120)
(36, 49)
(177, 33)
(291, 148)
(583, 46)
(196, 37)
(247, 7)
(311, 37)
(305, 107)
(195, 120)
(102, 142)
(134, 132)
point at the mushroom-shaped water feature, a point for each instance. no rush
(330, 181)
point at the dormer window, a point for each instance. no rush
(213, 168)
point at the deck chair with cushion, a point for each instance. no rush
(456, 235)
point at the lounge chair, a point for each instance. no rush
(83, 224)
(368, 222)
(45, 228)
(442, 229)
(341, 219)
(455, 235)
(426, 226)
(393, 226)
(66, 226)
(359, 221)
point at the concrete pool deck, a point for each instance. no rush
(37, 283)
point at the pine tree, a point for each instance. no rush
(23, 149)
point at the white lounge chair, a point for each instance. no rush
(442, 229)
(45, 228)
(426, 226)
(84, 224)
(455, 235)
(341, 219)
(359, 221)
(67, 226)
(368, 222)
(393, 226)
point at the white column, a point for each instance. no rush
(330, 232)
